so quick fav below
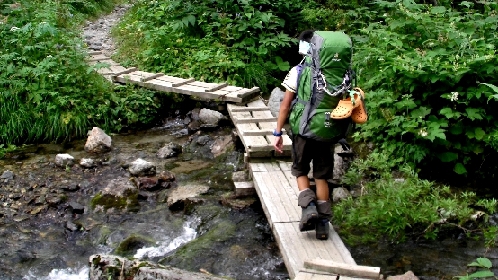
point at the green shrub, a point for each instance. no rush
(397, 207)
(429, 75)
(240, 42)
(49, 92)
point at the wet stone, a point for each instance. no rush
(141, 167)
(64, 160)
(54, 200)
(87, 163)
(7, 175)
(71, 226)
(75, 208)
(37, 210)
(40, 200)
(70, 187)
(169, 150)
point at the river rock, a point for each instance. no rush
(7, 175)
(75, 208)
(340, 194)
(63, 160)
(118, 194)
(87, 163)
(210, 117)
(177, 197)
(98, 142)
(103, 265)
(276, 97)
(407, 276)
(221, 145)
(142, 168)
(169, 150)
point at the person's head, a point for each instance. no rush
(306, 35)
(304, 41)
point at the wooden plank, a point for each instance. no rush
(260, 132)
(210, 87)
(269, 209)
(251, 109)
(175, 81)
(237, 98)
(231, 88)
(334, 267)
(129, 70)
(292, 246)
(216, 87)
(253, 120)
(293, 211)
(257, 143)
(283, 215)
(247, 91)
(244, 189)
(151, 77)
(256, 103)
(111, 70)
(158, 85)
(306, 274)
(189, 89)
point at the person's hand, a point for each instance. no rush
(278, 144)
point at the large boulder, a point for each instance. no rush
(119, 195)
(210, 117)
(221, 145)
(98, 142)
(182, 194)
(276, 97)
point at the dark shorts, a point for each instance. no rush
(305, 150)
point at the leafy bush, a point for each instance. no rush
(483, 270)
(236, 41)
(429, 74)
(49, 92)
(396, 207)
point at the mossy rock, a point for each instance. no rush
(108, 202)
(130, 245)
(187, 257)
(119, 194)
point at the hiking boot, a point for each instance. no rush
(308, 218)
(322, 229)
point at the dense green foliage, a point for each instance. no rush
(48, 91)
(429, 74)
(214, 41)
(396, 208)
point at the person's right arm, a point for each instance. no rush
(282, 116)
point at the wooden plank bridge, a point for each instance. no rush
(165, 83)
(305, 257)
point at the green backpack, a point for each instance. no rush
(325, 76)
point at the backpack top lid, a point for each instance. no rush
(331, 50)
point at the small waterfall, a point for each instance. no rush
(81, 273)
(62, 274)
(166, 246)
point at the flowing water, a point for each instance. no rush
(41, 240)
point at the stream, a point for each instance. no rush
(44, 237)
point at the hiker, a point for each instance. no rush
(314, 91)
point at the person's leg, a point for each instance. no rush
(323, 165)
(301, 159)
